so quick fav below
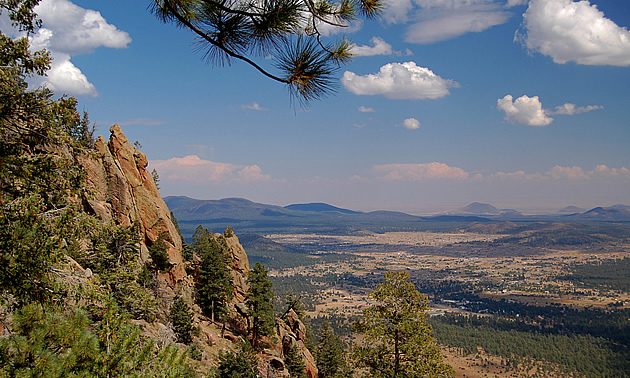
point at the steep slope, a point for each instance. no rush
(121, 190)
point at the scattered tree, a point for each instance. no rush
(258, 300)
(214, 287)
(158, 253)
(329, 354)
(398, 341)
(294, 363)
(181, 319)
(237, 365)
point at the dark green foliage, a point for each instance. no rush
(294, 363)
(330, 355)
(158, 253)
(258, 300)
(236, 365)
(145, 277)
(38, 334)
(397, 340)
(52, 342)
(229, 232)
(39, 139)
(46, 330)
(114, 256)
(181, 319)
(609, 275)
(214, 286)
(584, 354)
(187, 250)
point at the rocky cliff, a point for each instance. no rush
(120, 189)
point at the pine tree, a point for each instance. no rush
(258, 300)
(398, 341)
(294, 362)
(236, 365)
(214, 287)
(288, 31)
(330, 355)
(39, 139)
(181, 319)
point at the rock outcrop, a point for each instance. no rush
(122, 190)
(292, 333)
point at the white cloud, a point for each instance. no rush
(571, 109)
(525, 110)
(396, 11)
(418, 172)
(451, 24)
(567, 31)
(196, 170)
(254, 106)
(572, 173)
(70, 30)
(380, 48)
(327, 29)
(438, 20)
(411, 124)
(76, 30)
(65, 78)
(364, 109)
(399, 81)
(606, 171)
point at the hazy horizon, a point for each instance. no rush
(446, 103)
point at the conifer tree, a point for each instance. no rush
(214, 287)
(236, 365)
(258, 300)
(294, 363)
(398, 342)
(330, 355)
(181, 319)
(39, 137)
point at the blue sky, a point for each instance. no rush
(521, 104)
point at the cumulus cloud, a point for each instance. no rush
(571, 109)
(572, 173)
(70, 30)
(411, 124)
(380, 48)
(529, 111)
(525, 110)
(418, 172)
(448, 25)
(400, 81)
(194, 169)
(578, 173)
(364, 109)
(254, 106)
(566, 31)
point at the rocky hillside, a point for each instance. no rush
(122, 190)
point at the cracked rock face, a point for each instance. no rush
(122, 190)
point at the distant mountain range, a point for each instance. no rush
(256, 216)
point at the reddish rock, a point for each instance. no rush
(122, 190)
